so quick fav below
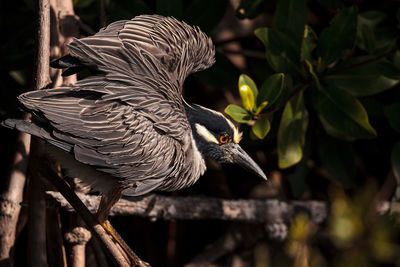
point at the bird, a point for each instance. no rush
(127, 130)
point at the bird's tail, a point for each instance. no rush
(72, 64)
(35, 130)
(22, 126)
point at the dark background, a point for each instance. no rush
(363, 174)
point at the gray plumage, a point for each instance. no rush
(129, 123)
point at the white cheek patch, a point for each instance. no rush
(237, 136)
(203, 132)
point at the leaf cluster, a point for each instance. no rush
(327, 74)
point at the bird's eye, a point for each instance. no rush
(224, 138)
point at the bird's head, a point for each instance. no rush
(217, 138)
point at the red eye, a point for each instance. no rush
(223, 139)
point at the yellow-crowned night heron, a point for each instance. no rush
(129, 122)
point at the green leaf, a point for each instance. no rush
(395, 160)
(392, 113)
(290, 17)
(271, 88)
(261, 107)
(297, 178)
(364, 79)
(246, 80)
(339, 37)
(261, 127)
(291, 133)
(248, 92)
(281, 51)
(19, 76)
(338, 158)
(170, 8)
(313, 74)
(308, 43)
(342, 115)
(247, 97)
(372, 36)
(237, 113)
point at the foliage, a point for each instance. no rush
(331, 71)
(321, 108)
(334, 114)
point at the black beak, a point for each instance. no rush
(241, 158)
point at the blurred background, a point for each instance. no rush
(319, 108)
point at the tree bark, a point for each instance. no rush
(55, 245)
(77, 239)
(37, 250)
(199, 208)
(96, 229)
(12, 196)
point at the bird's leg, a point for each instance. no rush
(106, 203)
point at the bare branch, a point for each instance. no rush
(55, 244)
(77, 239)
(37, 252)
(13, 195)
(87, 217)
(194, 208)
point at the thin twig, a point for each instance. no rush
(357, 64)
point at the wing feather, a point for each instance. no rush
(178, 48)
(129, 121)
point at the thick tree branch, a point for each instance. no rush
(194, 208)
(37, 255)
(13, 195)
(274, 213)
